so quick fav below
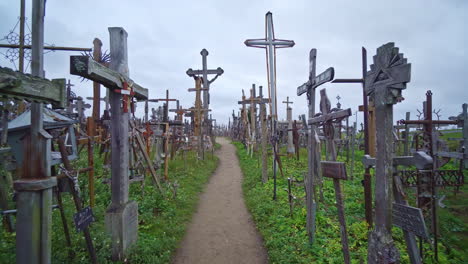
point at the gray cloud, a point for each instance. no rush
(165, 38)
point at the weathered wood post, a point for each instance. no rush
(331, 168)
(313, 177)
(122, 214)
(34, 188)
(290, 148)
(384, 84)
(264, 136)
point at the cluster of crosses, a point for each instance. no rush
(49, 139)
(385, 147)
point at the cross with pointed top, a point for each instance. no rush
(270, 43)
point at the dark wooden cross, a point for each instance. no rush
(384, 83)
(313, 177)
(333, 169)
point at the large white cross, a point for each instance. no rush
(270, 44)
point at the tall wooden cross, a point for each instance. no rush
(331, 168)
(313, 148)
(122, 214)
(384, 84)
(270, 44)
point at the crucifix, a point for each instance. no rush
(270, 44)
(122, 214)
(290, 148)
(384, 83)
(332, 168)
(368, 135)
(206, 83)
(313, 177)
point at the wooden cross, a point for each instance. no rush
(166, 108)
(287, 102)
(270, 43)
(204, 74)
(384, 84)
(198, 111)
(332, 168)
(264, 133)
(117, 80)
(313, 177)
(80, 107)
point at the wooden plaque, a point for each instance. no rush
(334, 169)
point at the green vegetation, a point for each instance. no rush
(162, 220)
(285, 237)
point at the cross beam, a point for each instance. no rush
(16, 85)
(86, 67)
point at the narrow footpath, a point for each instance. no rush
(222, 230)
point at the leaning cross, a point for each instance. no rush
(313, 149)
(122, 214)
(332, 168)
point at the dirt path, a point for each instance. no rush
(222, 230)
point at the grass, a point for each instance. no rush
(162, 220)
(285, 236)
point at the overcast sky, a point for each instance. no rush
(165, 39)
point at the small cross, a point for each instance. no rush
(287, 102)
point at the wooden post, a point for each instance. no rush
(333, 169)
(313, 177)
(90, 130)
(97, 54)
(384, 84)
(264, 138)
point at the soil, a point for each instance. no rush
(222, 230)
